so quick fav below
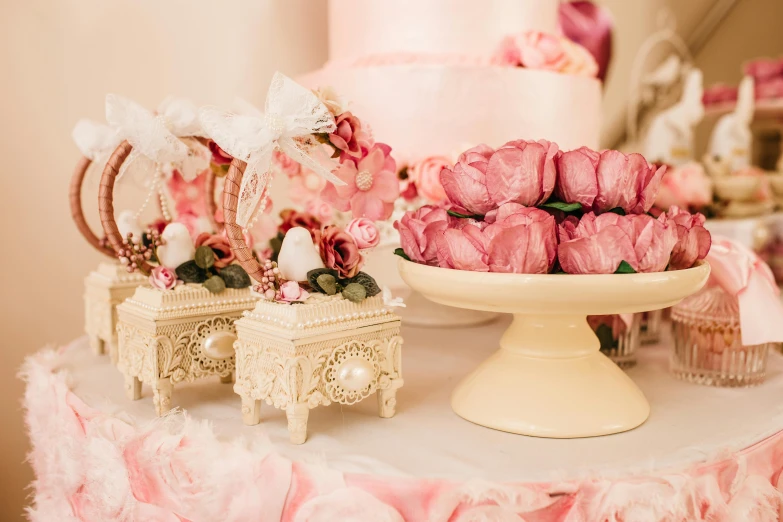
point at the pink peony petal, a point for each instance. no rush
(576, 180)
(601, 253)
(519, 173)
(466, 192)
(522, 249)
(463, 252)
(366, 206)
(385, 186)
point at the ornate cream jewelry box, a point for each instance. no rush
(104, 289)
(171, 336)
(329, 349)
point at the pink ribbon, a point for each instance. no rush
(741, 273)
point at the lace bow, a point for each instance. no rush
(94, 140)
(292, 117)
(156, 137)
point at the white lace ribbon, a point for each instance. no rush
(291, 117)
(156, 137)
(94, 140)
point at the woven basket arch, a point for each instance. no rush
(236, 239)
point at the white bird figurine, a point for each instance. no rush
(298, 255)
(128, 223)
(732, 138)
(178, 246)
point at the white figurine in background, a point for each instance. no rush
(298, 255)
(128, 223)
(731, 138)
(670, 136)
(177, 246)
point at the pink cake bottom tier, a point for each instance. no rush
(705, 454)
(422, 110)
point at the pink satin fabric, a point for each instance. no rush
(93, 466)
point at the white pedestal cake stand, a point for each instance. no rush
(549, 378)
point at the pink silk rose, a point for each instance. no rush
(163, 278)
(686, 186)
(693, 240)
(466, 183)
(224, 256)
(426, 175)
(364, 232)
(598, 244)
(419, 231)
(602, 181)
(532, 49)
(340, 252)
(522, 241)
(290, 291)
(522, 172)
(348, 137)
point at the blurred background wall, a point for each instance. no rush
(59, 58)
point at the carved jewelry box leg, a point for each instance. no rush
(161, 396)
(132, 387)
(251, 411)
(97, 345)
(297, 415)
(387, 399)
(227, 379)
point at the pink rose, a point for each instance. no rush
(163, 278)
(340, 252)
(598, 244)
(686, 186)
(224, 256)
(426, 175)
(535, 50)
(419, 231)
(364, 232)
(521, 240)
(607, 180)
(522, 172)
(466, 183)
(349, 137)
(290, 291)
(693, 240)
(219, 156)
(293, 218)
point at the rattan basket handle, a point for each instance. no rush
(209, 195)
(233, 231)
(75, 197)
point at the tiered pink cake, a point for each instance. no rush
(421, 73)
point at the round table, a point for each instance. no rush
(704, 453)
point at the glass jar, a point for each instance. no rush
(619, 340)
(650, 326)
(708, 346)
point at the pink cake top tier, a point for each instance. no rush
(473, 27)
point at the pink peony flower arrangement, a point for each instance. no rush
(685, 186)
(530, 208)
(550, 52)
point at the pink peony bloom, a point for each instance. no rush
(522, 172)
(371, 185)
(364, 232)
(607, 180)
(426, 175)
(686, 186)
(340, 252)
(163, 278)
(224, 256)
(419, 232)
(693, 240)
(290, 291)
(349, 138)
(598, 244)
(466, 183)
(522, 241)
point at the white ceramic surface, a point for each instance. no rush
(549, 378)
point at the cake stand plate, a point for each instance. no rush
(549, 378)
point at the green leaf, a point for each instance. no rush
(604, 334)
(327, 283)
(367, 281)
(190, 272)
(465, 216)
(559, 205)
(400, 252)
(312, 278)
(215, 284)
(355, 293)
(235, 277)
(204, 257)
(618, 210)
(624, 268)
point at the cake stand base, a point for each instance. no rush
(570, 389)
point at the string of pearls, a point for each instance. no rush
(164, 206)
(266, 182)
(156, 180)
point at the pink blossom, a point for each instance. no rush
(693, 240)
(371, 185)
(286, 165)
(762, 69)
(349, 138)
(522, 172)
(290, 291)
(189, 198)
(419, 232)
(598, 244)
(579, 61)
(340, 252)
(425, 174)
(224, 256)
(537, 50)
(686, 186)
(466, 183)
(305, 187)
(364, 232)
(321, 210)
(163, 278)
(607, 180)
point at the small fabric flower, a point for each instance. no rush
(340, 252)
(163, 278)
(224, 256)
